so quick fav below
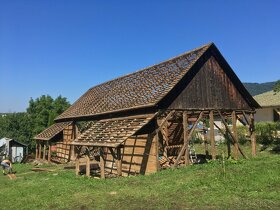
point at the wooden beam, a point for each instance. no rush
(186, 139)
(229, 132)
(253, 135)
(36, 152)
(157, 151)
(234, 132)
(77, 166)
(40, 150)
(44, 152)
(119, 161)
(164, 121)
(212, 135)
(113, 153)
(87, 164)
(102, 164)
(245, 117)
(185, 143)
(49, 153)
(205, 140)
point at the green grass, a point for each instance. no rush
(247, 184)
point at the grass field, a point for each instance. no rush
(246, 184)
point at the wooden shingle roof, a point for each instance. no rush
(52, 131)
(111, 132)
(144, 88)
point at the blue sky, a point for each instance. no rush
(65, 47)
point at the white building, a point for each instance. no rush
(270, 103)
(12, 149)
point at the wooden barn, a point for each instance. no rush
(142, 122)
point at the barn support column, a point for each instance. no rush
(228, 132)
(233, 140)
(234, 132)
(102, 164)
(212, 135)
(205, 140)
(49, 152)
(87, 164)
(157, 151)
(40, 150)
(119, 161)
(189, 137)
(77, 168)
(36, 151)
(186, 139)
(253, 135)
(44, 152)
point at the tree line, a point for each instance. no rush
(40, 114)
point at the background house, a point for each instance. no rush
(270, 103)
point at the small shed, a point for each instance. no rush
(12, 149)
(143, 122)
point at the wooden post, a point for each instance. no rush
(36, 155)
(205, 140)
(186, 139)
(253, 135)
(87, 165)
(189, 137)
(212, 134)
(49, 153)
(77, 165)
(102, 164)
(40, 150)
(44, 152)
(119, 161)
(234, 132)
(157, 151)
(229, 132)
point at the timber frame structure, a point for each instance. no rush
(143, 122)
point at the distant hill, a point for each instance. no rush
(258, 88)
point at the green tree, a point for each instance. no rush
(276, 87)
(44, 110)
(40, 114)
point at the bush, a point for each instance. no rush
(242, 133)
(266, 132)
